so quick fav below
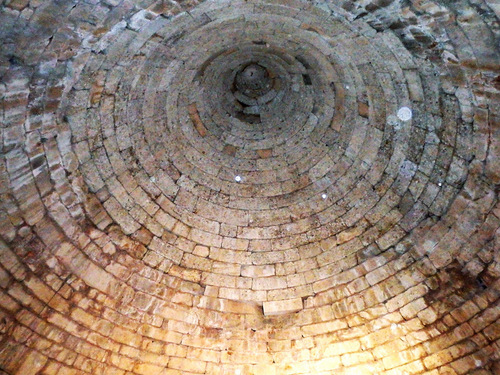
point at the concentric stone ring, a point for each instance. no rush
(253, 80)
(249, 187)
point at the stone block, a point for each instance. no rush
(282, 307)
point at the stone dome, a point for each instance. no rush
(249, 187)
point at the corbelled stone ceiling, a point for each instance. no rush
(249, 187)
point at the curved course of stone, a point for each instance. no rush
(249, 187)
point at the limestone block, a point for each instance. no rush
(282, 307)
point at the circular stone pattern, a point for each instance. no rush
(249, 187)
(253, 80)
(306, 136)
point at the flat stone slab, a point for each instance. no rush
(283, 307)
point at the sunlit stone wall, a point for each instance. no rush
(249, 187)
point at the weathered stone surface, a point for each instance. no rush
(229, 187)
(282, 307)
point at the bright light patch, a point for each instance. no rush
(404, 114)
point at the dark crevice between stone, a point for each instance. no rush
(248, 118)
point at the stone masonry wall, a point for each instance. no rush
(164, 211)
